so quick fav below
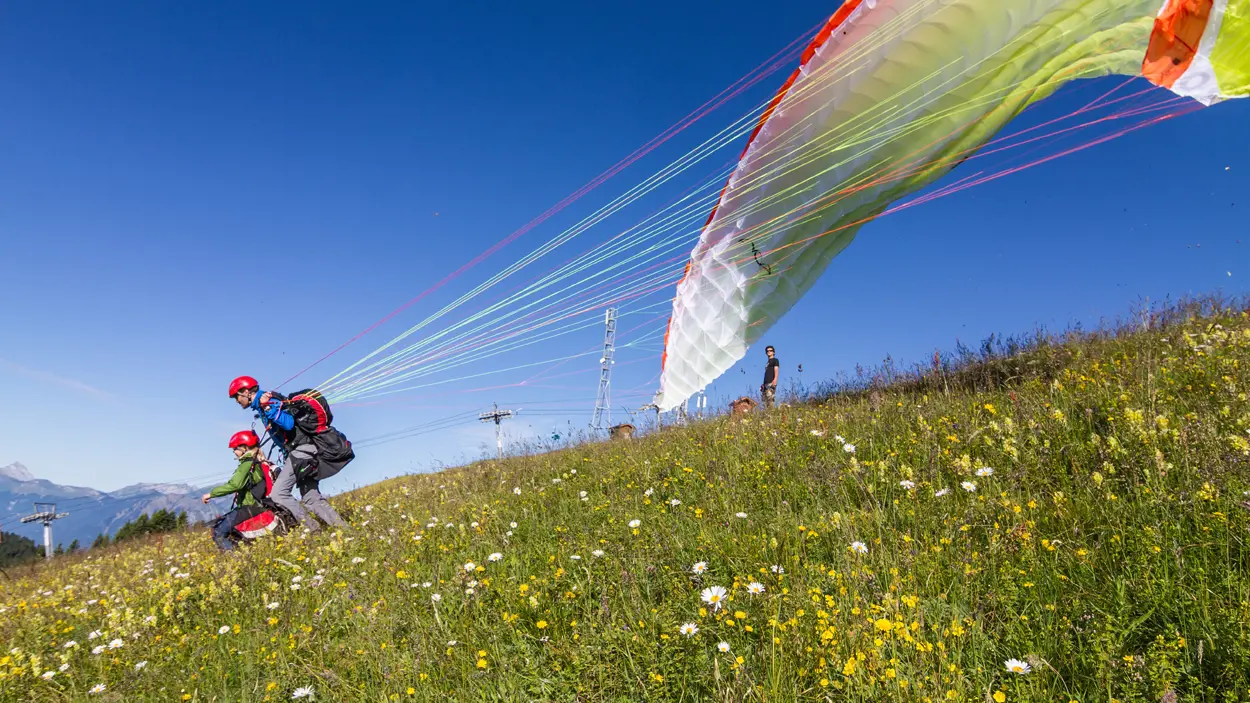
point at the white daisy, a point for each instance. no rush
(699, 567)
(674, 502)
(778, 569)
(517, 490)
(494, 557)
(223, 629)
(1017, 667)
(469, 566)
(723, 646)
(714, 596)
(98, 688)
(741, 515)
(303, 692)
(597, 553)
(140, 665)
(941, 492)
(985, 471)
(635, 523)
(689, 629)
(859, 547)
(818, 433)
(969, 486)
(907, 485)
(755, 587)
(848, 448)
(436, 597)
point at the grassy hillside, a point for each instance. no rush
(1078, 507)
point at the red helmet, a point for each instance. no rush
(242, 383)
(246, 438)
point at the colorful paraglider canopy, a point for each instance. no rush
(889, 97)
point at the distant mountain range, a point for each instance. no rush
(90, 511)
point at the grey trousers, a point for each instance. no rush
(311, 500)
(768, 394)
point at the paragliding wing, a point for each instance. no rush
(890, 96)
(1201, 49)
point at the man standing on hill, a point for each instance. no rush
(296, 446)
(768, 391)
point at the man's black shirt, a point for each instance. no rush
(770, 372)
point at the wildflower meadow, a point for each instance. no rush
(1065, 522)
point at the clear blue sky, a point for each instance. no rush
(193, 191)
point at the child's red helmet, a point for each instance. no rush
(246, 438)
(242, 383)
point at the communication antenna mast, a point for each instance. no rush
(497, 417)
(603, 399)
(45, 513)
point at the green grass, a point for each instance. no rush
(1107, 550)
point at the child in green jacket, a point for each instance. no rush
(246, 447)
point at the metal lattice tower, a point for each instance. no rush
(45, 513)
(603, 400)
